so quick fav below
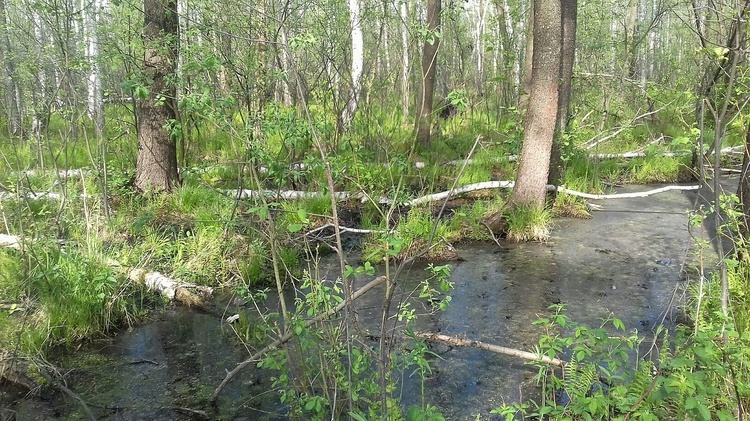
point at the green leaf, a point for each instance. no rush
(357, 417)
(294, 227)
(618, 324)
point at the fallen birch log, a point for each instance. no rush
(285, 194)
(289, 335)
(154, 281)
(509, 184)
(625, 195)
(171, 288)
(634, 154)
(529, 356)
(10, 241)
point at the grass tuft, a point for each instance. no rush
(528, 223)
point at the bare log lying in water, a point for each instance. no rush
(530, 356)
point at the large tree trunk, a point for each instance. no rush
(429, 70)
(156, 163)
(569, 20)
(531, 181)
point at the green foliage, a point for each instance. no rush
(528, 223)
(74, 297)
(655, 169)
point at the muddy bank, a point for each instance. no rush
(627, 260)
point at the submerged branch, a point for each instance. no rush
(530, 356)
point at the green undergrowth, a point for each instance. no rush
(62, 296)
(697, 374)
(528, 223)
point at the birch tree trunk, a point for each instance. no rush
(10, 82)
(355, 21)
(405, 98)
(95, 103)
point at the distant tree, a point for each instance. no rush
(156, 162)
(541, 117)
(357, 65)
(429, 70)
(12, 88)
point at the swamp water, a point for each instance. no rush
(627, 260)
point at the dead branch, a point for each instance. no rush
(286, 337)
(529, 356)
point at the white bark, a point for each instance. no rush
(525, 355)
(10, 241)
(355, 20)
(95, 103)
(405, 98)
(286, 89)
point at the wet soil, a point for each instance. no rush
(627, 260)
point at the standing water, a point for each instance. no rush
(626, 260)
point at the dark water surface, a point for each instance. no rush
(626, 260)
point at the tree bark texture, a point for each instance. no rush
(429, 70)
(156, 163)
(533, 169)
(569, 24)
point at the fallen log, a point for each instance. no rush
(529, 356)
(560, 189)
(10, 241)
(171, 288)
(625, 195)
